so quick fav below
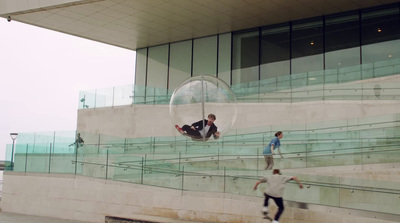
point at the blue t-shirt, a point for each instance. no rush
(276, 142)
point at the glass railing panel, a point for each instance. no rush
(386, 68)
(300, 95)
(253, 87)
(333, 159)
(367, 71)
(280, 96)
(104, 97)
(317, 189)
(139, 96)
(155, 95)
(205, 182)
(139, 145)
(283, 83)
(369, 121)
(87, 99)
(295, 133)
(331, 76)
(200, 148)
(295, 150)
(93, 169)
(20, 156)
(8, 166)
(257, 91)
(289, 161)
(342, 92)
(369, 200)
(9, 151)
(348, 74)
(161, 96)
(162, 178)
(313, 194)
(299, 80)
(123, 95)
(128, 161)
(268, 90)
(268, 85)
(236, 183)
(371, 195)
(316, 77)
(63, 141)
(35, 138)
(62, 163)
(385, 153)
(132, 174)
(38, 158)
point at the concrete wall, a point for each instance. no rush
(88, 199)
(153, 120)
(133, 121)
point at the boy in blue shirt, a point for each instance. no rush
(269, 150)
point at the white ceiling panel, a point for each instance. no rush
(135, 24)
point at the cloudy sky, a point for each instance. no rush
(42, 72)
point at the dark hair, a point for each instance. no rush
(212, 116)
(278, 133)
(276, 171)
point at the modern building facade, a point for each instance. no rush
(326, 73)
(320, 44)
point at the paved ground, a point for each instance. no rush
(6, 217)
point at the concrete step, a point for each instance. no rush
(145, 219)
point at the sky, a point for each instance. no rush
(42, 73)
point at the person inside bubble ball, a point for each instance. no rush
(196, 130)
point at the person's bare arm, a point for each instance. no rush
(255, 186)
(279, 151)
(298, 182)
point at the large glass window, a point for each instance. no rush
(342, 41)
(140, 76)
(157, 73)
(205, 56)
(224, 57)
(180, 63)
(141, 67)
(245, 57)
(158, 67)
(275, 52)
(307, 46)
(380, 34)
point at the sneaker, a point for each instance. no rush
(264, 210)
(275, 221)
(179, 129)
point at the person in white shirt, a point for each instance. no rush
(276, 185)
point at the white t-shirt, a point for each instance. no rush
(204, 131)
(276, 184)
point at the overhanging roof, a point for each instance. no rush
(135, 24)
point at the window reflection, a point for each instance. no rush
(342, 40)
(275, 51)
(307, 46)
(245, 57)
(180, 66)
(380, 34)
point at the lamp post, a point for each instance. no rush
(13, 137)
